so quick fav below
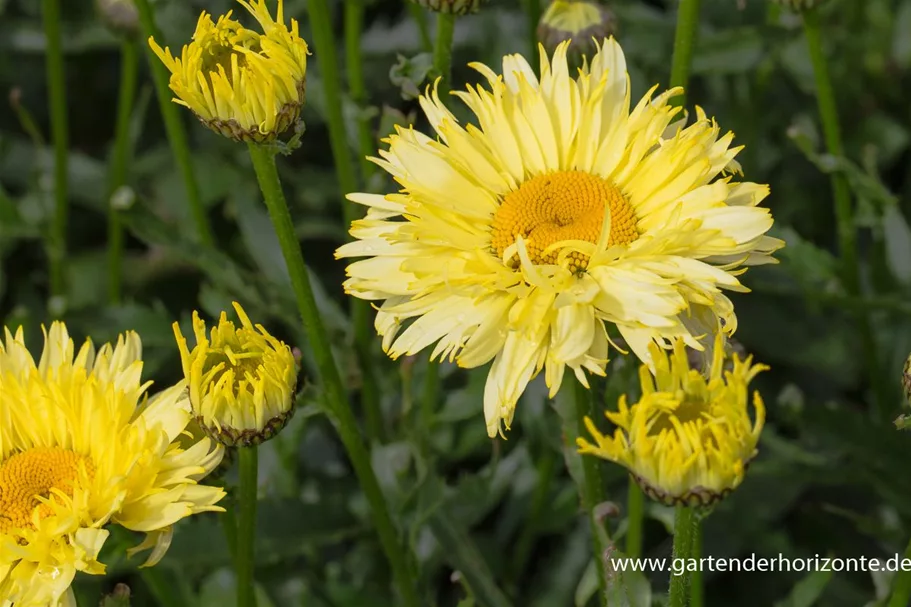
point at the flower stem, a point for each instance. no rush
(417, 13)
(354, 25)
(50, 12)
(177, 134)
(592, 491)
(684, 39)
(430, 397)
(246, 531)
(635, 514)
(533, 10)
(844, 213)
(442, 50)
(901, 585)
(684, 525)
(324, 50)
(546, 468)
(129, 63)
(697, 591)
(336, 398)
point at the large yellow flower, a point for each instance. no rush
(518, 239)
(245, 85)
(81, 447)
(689, 438)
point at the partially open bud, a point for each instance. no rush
(689, 439)
(456, 7)
(578, 21)
(241, 380)
(240, 83)
(120, 16)
(799, 5)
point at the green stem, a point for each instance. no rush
(635, 514)
(825, 98)
(592, 491)
(246, 529)
(844, 213)
(431, 394)
(339, 410)
(354, 25)
(228, 520)
(417, 13)
(50, 12)
(901, 585)
(684, 39)
(697, 592)
(684, 523)
(324, 50)
(547, 465)
(442, 51)
(129, 63)
(177, 134)
(533, 10)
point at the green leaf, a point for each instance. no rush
(808, 590)
(409, 74)
(901, 42)
(729, 51)
(898, 243)
(462, 554)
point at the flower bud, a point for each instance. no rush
(120, 16)
(578, 21)
(241, 380)
(690, 438)
(242, 84)
(456, 7)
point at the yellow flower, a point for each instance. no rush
(575, 21)
(242, 84)
(241, 380)
(517, 240)
(689, 438)
(82, 447)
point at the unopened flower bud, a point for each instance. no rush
(578, 21)
(455, 7)
(241, 380)
(120, 16)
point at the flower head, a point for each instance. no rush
(565, 210)
(456, 7)
(121, 16)
(81, 447)
(690, 437)
(245, 85)
(580, 22)
(241, 380)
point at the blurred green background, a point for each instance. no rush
(831, 477)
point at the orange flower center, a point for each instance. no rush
(561, 206)
(31, 478)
